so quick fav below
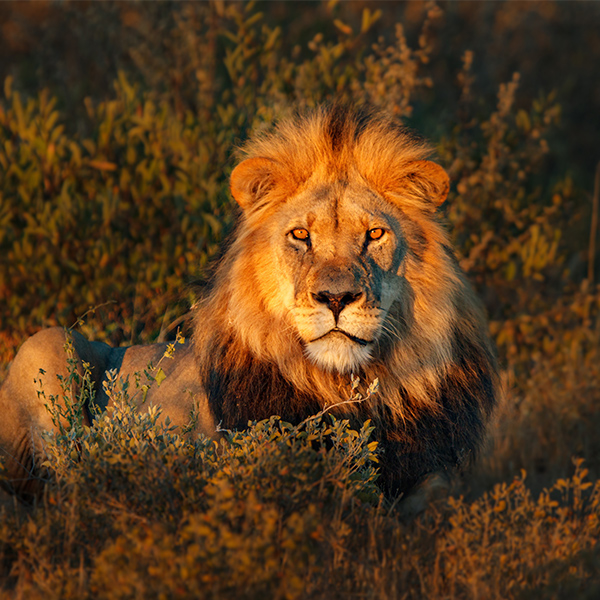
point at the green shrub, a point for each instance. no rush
(132, 211)
(131, 214)
(145, 511)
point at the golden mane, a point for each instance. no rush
(332, 142)
(253, 366)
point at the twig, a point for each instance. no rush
(315, 416)
(164, 331)
(331, 407)
(92, 309)
(356, 399)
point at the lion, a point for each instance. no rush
(339, 268)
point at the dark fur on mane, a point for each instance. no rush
(442, 437)
(243, 388)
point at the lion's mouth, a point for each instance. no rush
(351, 337)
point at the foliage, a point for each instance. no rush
(118, 202)
(133, 210)
(135, 510)
(80, 219)
(135, 507)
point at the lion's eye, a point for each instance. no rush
(375, 234)
(300, 234)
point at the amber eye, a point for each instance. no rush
(375, 234)
(300, 234)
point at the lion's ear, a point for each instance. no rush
(429, 179)
(252, 179)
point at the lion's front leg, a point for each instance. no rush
(41, 373)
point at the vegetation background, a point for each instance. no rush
(117, 124)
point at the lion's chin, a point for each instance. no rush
(336, 352)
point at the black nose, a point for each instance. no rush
(336, 302)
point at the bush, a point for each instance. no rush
(132, 211)
(140, 510)
(135, 510)
(129, 214)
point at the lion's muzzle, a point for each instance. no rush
(336, 302)
(336, 316)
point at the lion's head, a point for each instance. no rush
(339, 266)
(341, 242)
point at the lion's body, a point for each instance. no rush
(338, 267)
(44, 356)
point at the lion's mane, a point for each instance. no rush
(434, 361)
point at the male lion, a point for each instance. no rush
(339, 266)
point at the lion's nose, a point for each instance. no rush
(337, 302)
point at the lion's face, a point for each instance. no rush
(338, 249)
(336, 216)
